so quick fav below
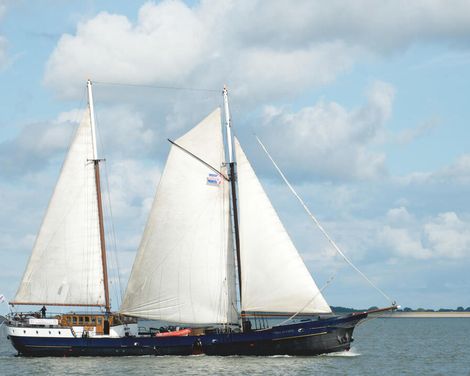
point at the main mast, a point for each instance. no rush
(233, 186)
(96, 163)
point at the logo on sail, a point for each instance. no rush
(214, 179)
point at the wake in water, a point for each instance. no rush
(344, 354)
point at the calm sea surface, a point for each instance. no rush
(405, 346)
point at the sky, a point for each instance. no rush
(364, 106)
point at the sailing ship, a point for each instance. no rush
(215, 261)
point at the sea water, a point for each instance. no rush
(395, 346)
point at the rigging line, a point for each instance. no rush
(320, 226)
(310, 301)
(157, 86)
(199, 159)
(113, 231)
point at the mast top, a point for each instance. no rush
(228, 125)
(92, 118)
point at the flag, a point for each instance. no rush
(2, 298)
(214, 179)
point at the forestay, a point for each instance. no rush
(65, 265)
(181, 272)
(274, 277)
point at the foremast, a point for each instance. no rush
(96, 163)
(233, 191)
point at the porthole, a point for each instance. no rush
(59, 331)
(37, 332)
(24, 331)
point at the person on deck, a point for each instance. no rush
(43, 311)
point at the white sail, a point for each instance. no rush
(274, 277)
(65, 266)
(181, 269)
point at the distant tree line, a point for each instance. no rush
(459, 309)
(406, 309)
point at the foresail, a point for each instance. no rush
(274, 276)
(65, 265)
(180, 273)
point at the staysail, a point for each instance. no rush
(65, 267)
(274, 276)
(181, 271)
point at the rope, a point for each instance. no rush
(157, 87)
(113, 235)
(310, 301)
(320, 226)
(118, 294)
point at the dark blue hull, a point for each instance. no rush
(307, 338)
(41, 346)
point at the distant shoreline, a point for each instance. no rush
(399, 315)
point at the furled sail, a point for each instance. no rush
(274, 277)
(65, 265)
(181, 271)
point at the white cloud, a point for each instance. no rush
(329, 141)
(445, 236)
(173, 44)
(37, 144)
(407, 136)
(262, 51)
(379, 26)
(165, 44)
(124, 132)
(457, 172)
(132, 182)
(399, 215)
(448, 236)
(265, 74)
(121, 128)
(403, 242)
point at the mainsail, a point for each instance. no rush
(274, 277)
(183, 270)
(65, 267)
